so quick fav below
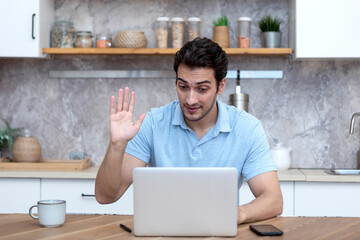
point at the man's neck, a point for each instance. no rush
(202, 126)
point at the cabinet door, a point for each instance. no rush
(79, 197)
(18, 195)
(287, 188)
(326, 28)
(327, 199)
(25, 25)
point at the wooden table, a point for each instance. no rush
(22, 226)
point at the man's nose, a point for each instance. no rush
(191, 98)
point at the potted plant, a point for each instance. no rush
(7, 136)
(271, 29)
(221, 32)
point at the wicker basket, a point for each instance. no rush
(130, 39)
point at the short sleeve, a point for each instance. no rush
(258, 159)
(141, 145)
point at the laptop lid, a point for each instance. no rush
(185, 201)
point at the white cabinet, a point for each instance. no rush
(287, 188)
(79, 197)
(25, 27)
(18, 195)
(327, 199)
(325, 28)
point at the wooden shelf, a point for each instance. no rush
(162, 51)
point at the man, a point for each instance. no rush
(197, 130)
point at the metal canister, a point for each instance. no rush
(240, 101)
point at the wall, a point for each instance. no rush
(309, 109)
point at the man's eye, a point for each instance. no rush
(182, 86)
(203, 89)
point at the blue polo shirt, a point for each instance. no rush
(236, 140)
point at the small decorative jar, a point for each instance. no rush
(244, 25)
(162, 25)
(103, 41)
(26, 148)
(62, 34)
(83, 39)
(193, 28)
(177, 32)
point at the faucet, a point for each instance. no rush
(353, 122)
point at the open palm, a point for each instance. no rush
(122, 127)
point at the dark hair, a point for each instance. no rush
(203, 52)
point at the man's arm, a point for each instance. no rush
(115, 173)
(268, 202)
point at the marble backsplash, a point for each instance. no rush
(309, 109)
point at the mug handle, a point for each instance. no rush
(31, 214)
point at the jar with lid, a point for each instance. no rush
(62, 34)
(103, 40)
(83, 39)
(193, 28)
(244, 26)
(162, 25)
(26, 148)
(177, 32)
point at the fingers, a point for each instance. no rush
(126, 99)
(123, 101)
(140, 120)
(120, 101)
(132, 102)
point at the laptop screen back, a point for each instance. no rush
(185, 201)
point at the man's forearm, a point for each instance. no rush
(264, 207)
(108, 178)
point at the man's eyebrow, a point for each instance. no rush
(198, 83)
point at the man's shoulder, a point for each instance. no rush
(240, 117)
(164, 112)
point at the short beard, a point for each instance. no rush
(201, 117)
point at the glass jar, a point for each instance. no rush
(193, 28)
(83, 39)
(177, 32)
(62, 34)
(162, 24)
(244, 25)
(103, 41)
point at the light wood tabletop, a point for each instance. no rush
(22, 226)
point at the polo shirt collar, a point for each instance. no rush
(222, 124)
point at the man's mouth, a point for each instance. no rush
(192, 109)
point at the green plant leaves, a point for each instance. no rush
(269, 24)
(8, 135)
(222, 21)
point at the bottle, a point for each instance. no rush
(244, 26)
(62, 34)
(103, 41)
(26, 148)
(162, 25)
(193, 28)
(177, 32)
(83, 39)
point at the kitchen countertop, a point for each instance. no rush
(21, 226)
(291, 175)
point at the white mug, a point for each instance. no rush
(51, 213)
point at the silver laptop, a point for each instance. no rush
(185, 201)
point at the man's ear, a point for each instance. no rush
(222, 84)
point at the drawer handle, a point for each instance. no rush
(32, 28)
(87, 195)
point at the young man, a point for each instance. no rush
(196, 131)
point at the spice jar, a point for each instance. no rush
(83, 39)
(103, 41)
(244, 24)
(193, 28)
(177, 32)
(62, 34)
(162, 24)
